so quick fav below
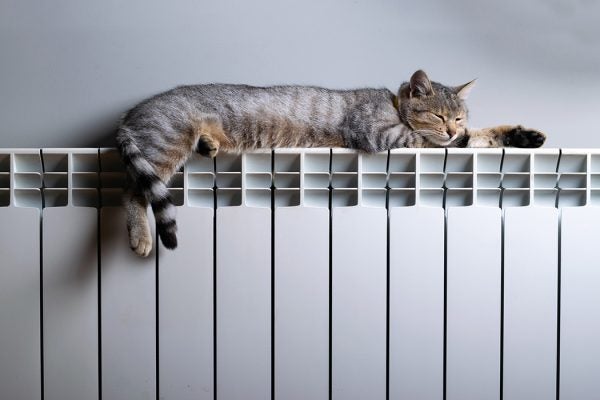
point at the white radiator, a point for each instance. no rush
(305, 274)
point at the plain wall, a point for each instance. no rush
(70, 68)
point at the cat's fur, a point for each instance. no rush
(157, 136)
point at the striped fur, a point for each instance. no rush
(158, 135)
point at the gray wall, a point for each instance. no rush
(69, 68)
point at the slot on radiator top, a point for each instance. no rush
(459, 180)
(344, 162)
(110, 161)
(545, 197)
(201, 180)
(489, 162)
(4, 197)
(401, 197)
(432, 162)
(28, 162)
(545, 180)
(258, 180)
(229, 163)
(258, 162)
(229, 197)
(316, 162)
(459, 197)
(316, 197)
(344, 197)
(375, 162)
(432, 180)
(516, 163)
(572, 197)
(594, 163)
(85, 179)
(374, 180)
(4, 180)
(176, 181)
(86, 198)
(572, 181)
(85, 162)
(402, 162)
(374, 197)
(595, 197)
(258, 197)
(287, 162)
(229, 179)
(316, 180)
(26, 180)
(201, 198)
(287, 180)
(287, 197)
(55, 197)
(516, 180)
(4, 163)
(572, 163)
(56, 179)
(515, 197)
(489, 180)
(489, 197)
(198, 163)
(28, 198)
(344, 180)
(55, 162)
(595, 181)
(459, 163)
(431, 197)
(545, 162)
(401, 180)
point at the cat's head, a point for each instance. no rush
(437, 111)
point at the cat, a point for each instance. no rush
(157, 136)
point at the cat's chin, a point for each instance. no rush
(444, 141)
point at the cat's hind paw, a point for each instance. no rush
(524, 137)
(140, 242)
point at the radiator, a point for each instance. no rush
(305, 274)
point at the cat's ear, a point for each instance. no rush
(420, 85)
(463, 91)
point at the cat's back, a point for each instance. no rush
(291, 101)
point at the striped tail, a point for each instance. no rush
(145, 181)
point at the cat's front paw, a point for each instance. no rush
(523, 137)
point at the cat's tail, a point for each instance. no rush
(145, 181)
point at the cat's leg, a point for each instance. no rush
(140, 236)
(505, 136)
(211, 137)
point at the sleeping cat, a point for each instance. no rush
(157, 136)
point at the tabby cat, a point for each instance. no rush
(157, 136)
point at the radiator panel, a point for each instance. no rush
(128, 313)
(243, 303)
(70, 278)
(530, 302)
(358, 312)
(301, 327)
(416, 349)
(473, 303)
(20, 314)
(580, 308)
(185, 309)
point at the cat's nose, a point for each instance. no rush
(451, 132)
